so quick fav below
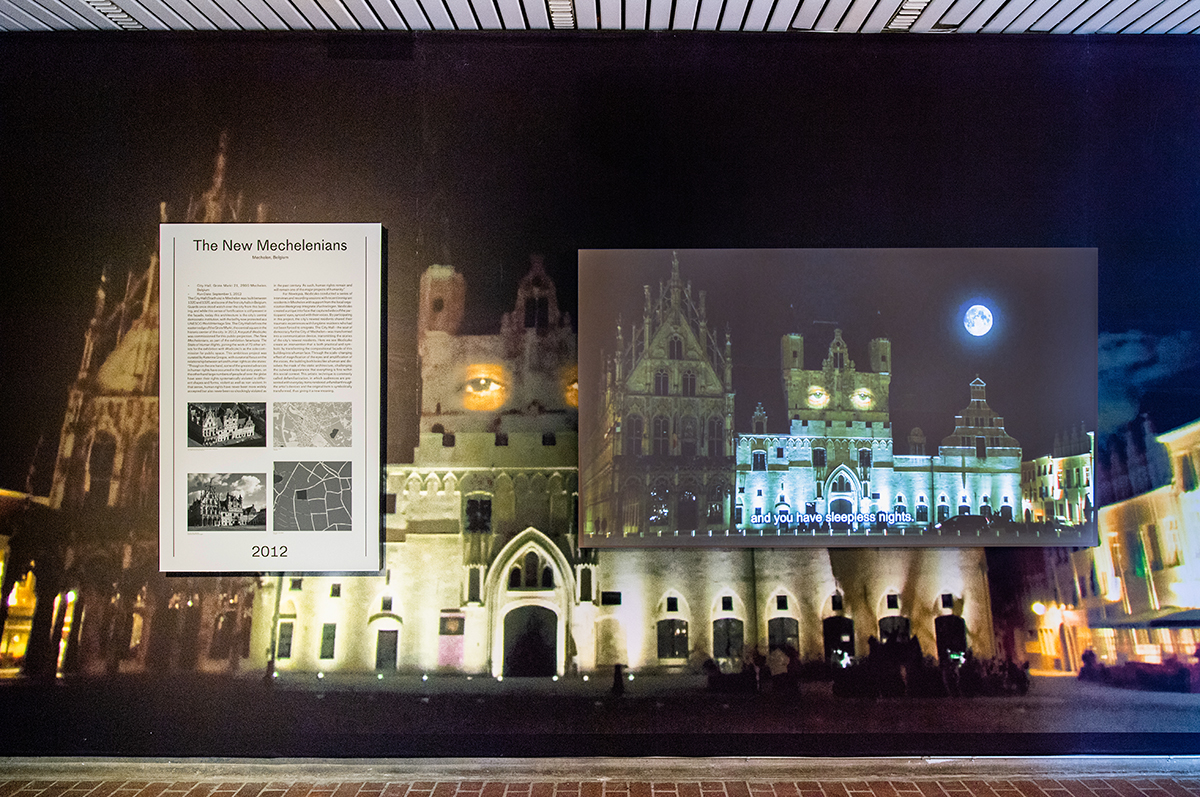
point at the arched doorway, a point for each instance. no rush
(839, 639)
(530, 642)
(951, 633)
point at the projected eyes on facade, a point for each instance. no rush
(862, 398)
(818, 397)
(485, 388)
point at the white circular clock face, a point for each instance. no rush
(818, 397)
(862, 398)
(978, 320)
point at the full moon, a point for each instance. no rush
(978, 320)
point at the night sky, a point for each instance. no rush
(480, 150)
(1039, 359)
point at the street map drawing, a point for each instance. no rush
(312, 424)
(312, 496)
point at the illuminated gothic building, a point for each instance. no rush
(214, 426)
(668, 401)
(100, 602)
(1058, 487)
(209, 509)
(837, 456)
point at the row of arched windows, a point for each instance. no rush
(684, 439)
(684, 507)
(662, 383)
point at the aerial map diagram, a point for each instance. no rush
(312, 424)
(312, 496)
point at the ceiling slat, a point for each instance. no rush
(709, 14)
(81, 16)
(759, 15)
(1055, 15)
(1007, 15)
(980, 16)
(610, 14)
(1152, 16)
(783, 14)
(860, 10)
(685, 14)
(8, 23)
(464, 17)
(336, 11)
(21, 17)
(959, 12)
(152, 14)
(881, 16)
(1032, 13)
(1175, 17)
(439, 17)
(660, 15)
(585, 14)
(537, 14)
(1079, 16)
(931, 15)
(485, 12)
(1103, 16)
(1187, 25)
(364, 15)
(733, 15)
(189, 12)
(510, 13)
(635, 14)
(238, 13)
(47, 17)
(285, 11)
(806, 17)
(831, 17)
(1130, 15)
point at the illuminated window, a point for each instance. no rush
(672, 639)
(716, 436)
(283, 647)
(922, 513)
(328, 635)
(689, 383)
(633, 435)
(662, 436)
(661, 383)
(675, 349)
(659, 509)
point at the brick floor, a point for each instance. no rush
(948, 787)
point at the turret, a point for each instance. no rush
(880, 350)
(442, 299)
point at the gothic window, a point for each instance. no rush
(716, 505)
(727, 638)
(632, 509)
(100, 470)
(688, 512)
(514, 578)
(328, 636)
(659, 508)
(836, 603)
(675, 349)
(633, 435)
(760, 460)
(864, 458)
(922, 513)
(716, 434)
(943, 513)
(687, 444)
(537, 312)
(689, 383)
(662, 436)
(472, 585)
(672, 639)
(531, 569)
(479, 514)
(283, 646)
(783, 632)
(818, 457)
(585, 584)
(661, 383)
(547, 578)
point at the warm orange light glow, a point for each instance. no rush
(1039, 608)
(486, 387)
(570, 380)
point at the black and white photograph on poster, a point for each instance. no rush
(883, 397)
(227, 501)
(312, 424)
(477, 154)
(227, 424)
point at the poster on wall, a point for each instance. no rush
(270, 369)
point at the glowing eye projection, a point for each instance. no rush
(485, 388)
(818, 397)
(978, 320)
(862, 398)
(570, 381)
